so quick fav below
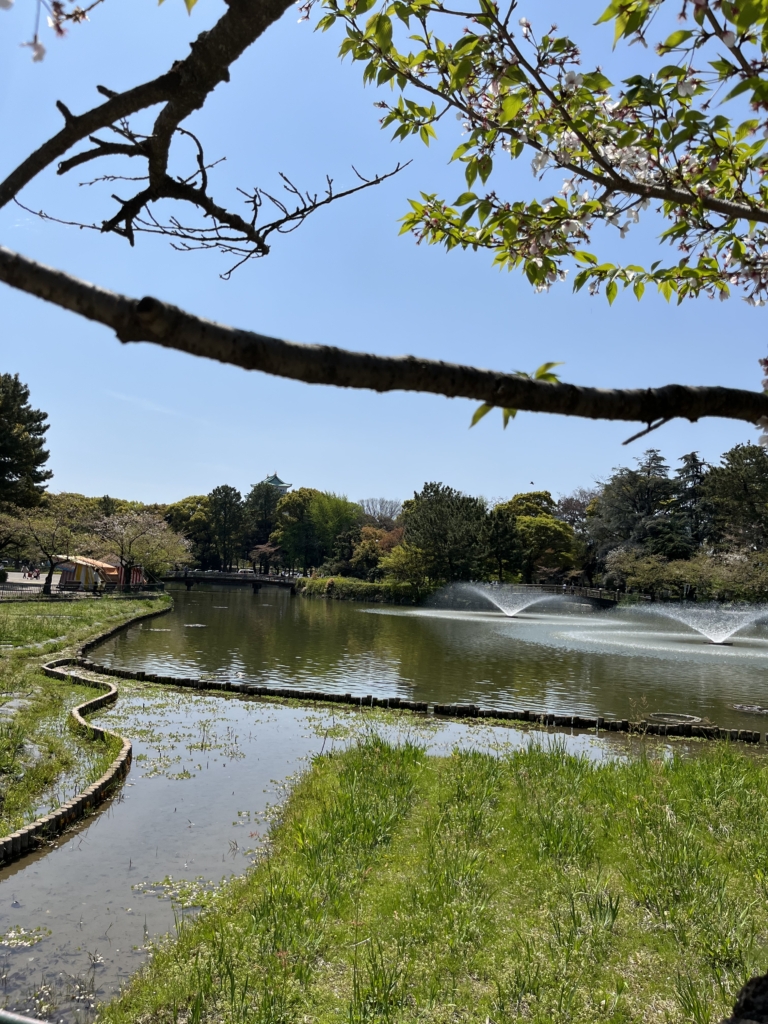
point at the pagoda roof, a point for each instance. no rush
(276, 481)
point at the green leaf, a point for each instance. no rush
(597, 82)
(543, 373)
(638, 288)
(383, 33)
(671, 71)
(676, 38)
(610, 292)
(480, 412)
(511, 107)
(460, 74)
(508, 414)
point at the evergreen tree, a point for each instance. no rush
(695, 509)
(23, 454)
(738, 488)
(448, 528)
(260, 514)
(225, 514)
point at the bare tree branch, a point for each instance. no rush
(149, 319)
(183, 89)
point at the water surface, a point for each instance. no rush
(556, 656)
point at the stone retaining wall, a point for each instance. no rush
(571, 722)
(29, 838)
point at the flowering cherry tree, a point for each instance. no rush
(652, 142)
(666, 140)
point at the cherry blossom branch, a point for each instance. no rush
(152, 320)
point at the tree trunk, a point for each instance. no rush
(48, 580)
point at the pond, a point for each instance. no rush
(557, 655)
(77, 920)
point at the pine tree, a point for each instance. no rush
(23, 454)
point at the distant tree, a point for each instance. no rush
(575, 509)
(11, 533)
(738, 488)
(502, 540)
(382, 512)
(295, 531)
(190, 517)
(263, 556)
(406, 564)
(546, 543)
(448, 528)
(108, 506)
(334, 517)
(23, 454)
(138, 538)
(695, 508)
(374, 543)
(260, 514)
(637, 508)
(49, 531)
(638, 570)
(339, 561)
(225, 515)
(532, 503)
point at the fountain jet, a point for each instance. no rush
(506, 598)
(716, 622)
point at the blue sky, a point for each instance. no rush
(140, 422)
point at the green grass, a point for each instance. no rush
(532, 887)
(43, 761)
(32, 622)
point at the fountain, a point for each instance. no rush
(716, 622)
(506, 598)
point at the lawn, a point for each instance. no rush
(32, 622)
(536, 886)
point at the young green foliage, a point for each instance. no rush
(674, 138)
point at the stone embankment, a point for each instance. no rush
(42, 831)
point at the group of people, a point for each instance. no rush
(30, 574)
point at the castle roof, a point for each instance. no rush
(275, 481)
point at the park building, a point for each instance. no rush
(81, 573)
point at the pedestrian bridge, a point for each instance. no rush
(605, 598)
(230, 579)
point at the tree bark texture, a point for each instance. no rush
(149, 319)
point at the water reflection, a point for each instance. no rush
(618, 663)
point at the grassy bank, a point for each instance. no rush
(345, 588)
(536, 887)
(43, 762)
